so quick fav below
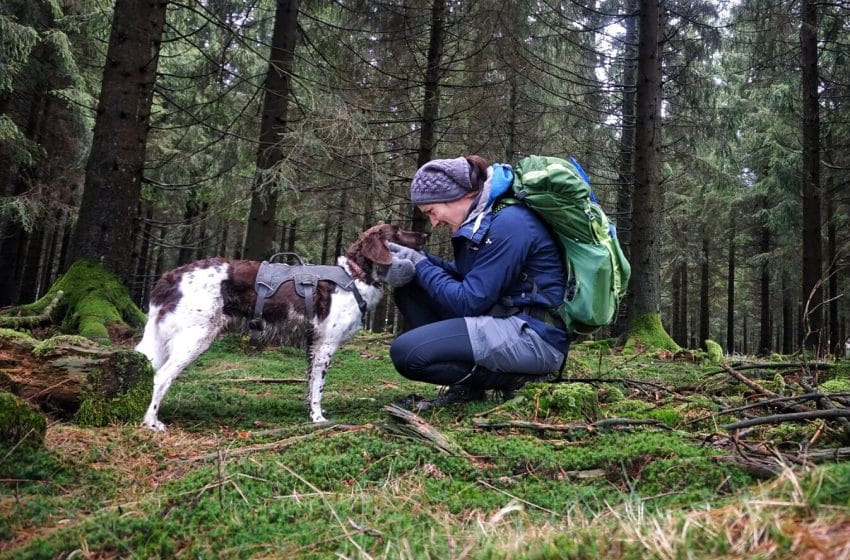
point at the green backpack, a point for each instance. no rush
(597, 271)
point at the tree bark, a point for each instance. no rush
(646, 213)
(104, 231)
(730, 289)
(262, 226)
(788, 345)
(704, 303)
(625, 160)
(431, 101)
(764, 346)
(811, 239)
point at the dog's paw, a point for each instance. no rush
(154, 425)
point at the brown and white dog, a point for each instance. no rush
(190, 306)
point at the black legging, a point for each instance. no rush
(437, 349)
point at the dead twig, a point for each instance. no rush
(578, 427)
(407, 423)
(776, 365)
(767, 403)
(827, 403)
(824, 455)
(791, 417)
(756, 387)
(292, 380)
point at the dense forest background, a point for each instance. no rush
(146, 134)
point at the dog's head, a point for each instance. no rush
(369, 256)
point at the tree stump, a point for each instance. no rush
(74, 378)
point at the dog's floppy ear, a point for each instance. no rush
(375, 250)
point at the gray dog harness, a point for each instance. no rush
(271, 275)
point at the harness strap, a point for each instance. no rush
(306, 278)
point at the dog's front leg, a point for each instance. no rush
(320, 361)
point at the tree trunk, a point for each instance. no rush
(431, 101)
(704, 303)
(764, 346)
(72, 377)
(836, 343)
(811, 238)
(379, 316)
(625, 160)
(262, 226)
(340, 229)
(680, 304)
(730, 289)
(788, 345)
(104, 231)
(187, 250)
(676, 303)
(647, 200)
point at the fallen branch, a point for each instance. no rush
(578, 427)
(269, 380)
(624, 380)
(778, 365)
(792, 417)
(823, 455)
(827, 404)
(765, 403)
(756, 387)
(405, 422)
(10, 322)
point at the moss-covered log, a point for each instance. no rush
(73, 377)
(94, 304)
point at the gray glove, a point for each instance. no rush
(403, 252)
(401, 272)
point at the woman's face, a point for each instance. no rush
(449, 214)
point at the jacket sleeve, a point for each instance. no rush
(498, 265)
(448, 266)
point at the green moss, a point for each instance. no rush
(647, 330)
(835, 386)
(126, 401)
(18, 339)
(565, 400)
(715, 352)
(16, 335)
(94, 301)
(20, 424)
(605, 345)
(611, 394)
(44, 347)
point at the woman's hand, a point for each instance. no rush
(401, 272)
(406, 253)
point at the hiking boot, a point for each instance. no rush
(409, 401)
(508, 392)
(456, 394)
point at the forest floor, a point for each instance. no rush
(634, 462)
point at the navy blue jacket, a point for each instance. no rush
(494, 263)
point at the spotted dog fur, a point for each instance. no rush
(192, 304)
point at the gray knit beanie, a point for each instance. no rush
(441, 180)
